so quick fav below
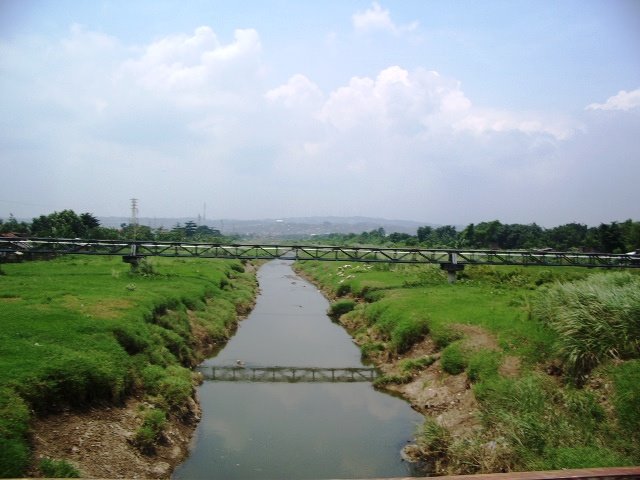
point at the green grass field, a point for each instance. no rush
(77, 331)
(549, 319)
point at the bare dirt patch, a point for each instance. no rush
(98, 443)
(510, 367)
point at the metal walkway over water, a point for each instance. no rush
(450, 260)
(287, 374)
(131, 250)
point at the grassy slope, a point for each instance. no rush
(533, 421)
(80, 330)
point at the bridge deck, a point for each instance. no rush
(450, 259)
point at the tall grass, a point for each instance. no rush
(594, 319)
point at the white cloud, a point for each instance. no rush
(299, 91)
(378, 19)
(197, 68)
(483, 121)
(622, 101)
(424, 102)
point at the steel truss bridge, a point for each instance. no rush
(287, 374)
(451, 260)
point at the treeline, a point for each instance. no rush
(614, 237)
(68, 224)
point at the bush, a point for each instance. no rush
(392, 380)
(454, 359)
(150, 432)
(371, 296)
(412, 364)
(341, 307)
(172, 385)
(74, 379)
(144, 268)
(408, 332)
(443, 336)
(58, 469)
(433, 438)
(343, 290)
(368, 348)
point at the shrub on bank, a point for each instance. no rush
(58, 469)
(414, 364)
(150, 432)
(392, 379)
(341, 307)
(407, 332)
(454, 359)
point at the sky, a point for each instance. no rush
(438, 111)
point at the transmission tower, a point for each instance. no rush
(134, 216)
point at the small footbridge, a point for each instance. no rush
(278, 374)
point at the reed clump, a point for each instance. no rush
(595, 319)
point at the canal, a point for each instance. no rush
(296, 430)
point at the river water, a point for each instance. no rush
(263, 430)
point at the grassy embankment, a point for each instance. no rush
(80, 331)
(573, 398)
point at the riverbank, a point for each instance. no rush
(96, 361)
(492, 378)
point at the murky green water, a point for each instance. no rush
(262, 430)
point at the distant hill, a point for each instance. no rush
(294, 226)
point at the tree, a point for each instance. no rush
(567, 237)
(89, 221)
(487, 234)
(13, 226)
(424, 234)
(190, 228)
(468, 235)
(445, 236)
(65, 224)
(631, 235)
(610, 238)
(396, 237)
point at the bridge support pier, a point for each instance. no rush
(133, 260)
(452, 269)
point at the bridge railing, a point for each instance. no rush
(450, 259)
